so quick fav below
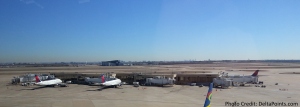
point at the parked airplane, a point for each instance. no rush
(54, 82)
(109, 82)
(225, 80)
(253, 75)
(209, 95)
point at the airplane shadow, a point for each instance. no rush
(104, 88)
(93, 90)
(165, 86)
(34, 88)
(27, 89)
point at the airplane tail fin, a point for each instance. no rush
(255, 73)
(37, 79)
(103, 78)
(209, 95)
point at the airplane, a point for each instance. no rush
(209, 95)
(110, 82)
(241, 79)
(53, 83)
(255, 74)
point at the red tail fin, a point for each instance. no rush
(37, 79)
(255, 73)
(102, 78)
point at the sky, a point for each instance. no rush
(148, 30)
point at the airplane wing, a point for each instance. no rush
(38, 87)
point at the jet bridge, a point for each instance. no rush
(223, 82)
(160, 80)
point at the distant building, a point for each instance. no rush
(112, 63)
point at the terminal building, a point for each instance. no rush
(141, 77)
(112, 63)
(198, 78)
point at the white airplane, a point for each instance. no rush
(238, 79)
(54, 82)
(110, 82)
(255, 74)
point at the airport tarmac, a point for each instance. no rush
(176, 96)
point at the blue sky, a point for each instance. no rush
(136, 30)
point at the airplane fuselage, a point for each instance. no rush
(49, 82)
(116, 82)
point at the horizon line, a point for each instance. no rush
(158, 61)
